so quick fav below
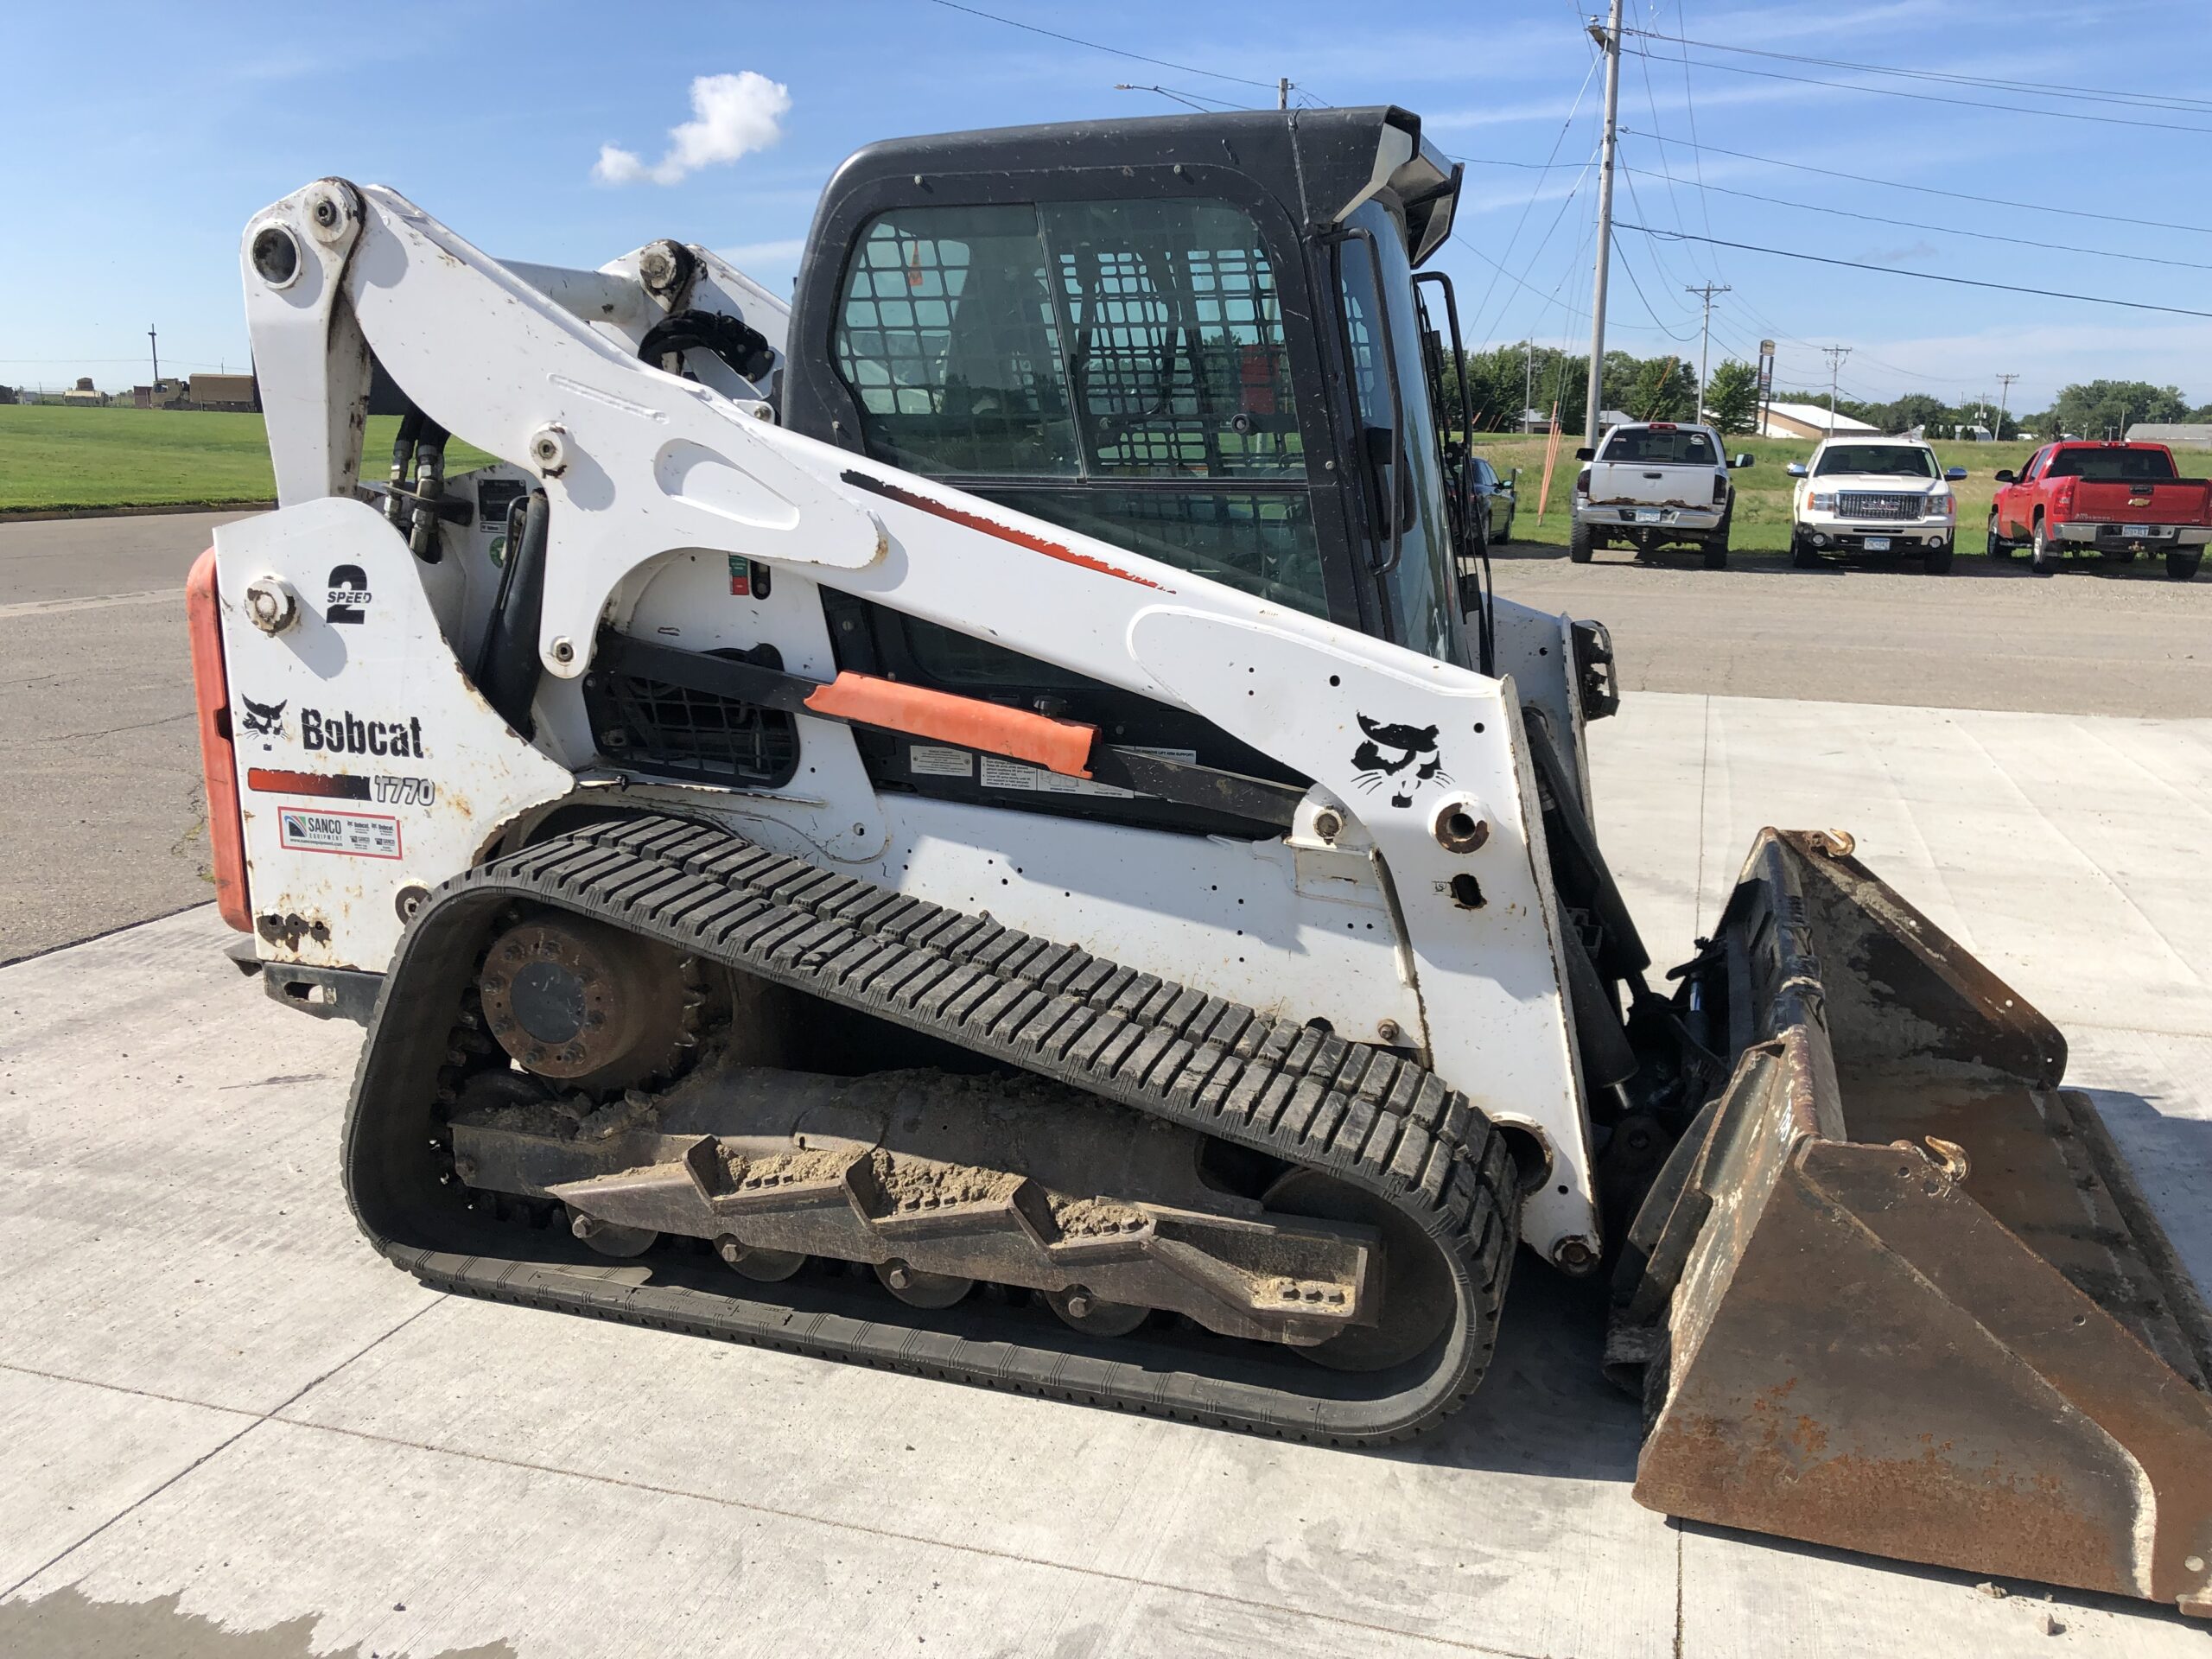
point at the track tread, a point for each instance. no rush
(1361, 1113)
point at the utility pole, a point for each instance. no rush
(1609, 41)
(2003, 399)
(1836, 355)
(155, 346)
(1705, 347)
(1282, 92)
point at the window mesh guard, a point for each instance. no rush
(696, 736)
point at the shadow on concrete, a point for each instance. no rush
(1545, 1409)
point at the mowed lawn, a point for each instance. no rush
(56, 457)
(1762, 520)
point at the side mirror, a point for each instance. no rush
(1952, 475)
(2005, 477)
(1741, 460)
(1585, 452)
(1795, 469)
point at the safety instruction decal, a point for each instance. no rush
(358, 834)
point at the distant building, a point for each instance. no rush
(85, 392)
(1810, 421)
(2174, 435)
(231, 391)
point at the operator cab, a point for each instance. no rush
(1197, 337)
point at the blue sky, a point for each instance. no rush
(145, 136)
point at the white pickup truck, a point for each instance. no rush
(1654, 484)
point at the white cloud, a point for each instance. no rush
(733, 116)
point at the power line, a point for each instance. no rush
(1072, 40)
(1189, 100)
(1929, 275)
(1916, 98)
(1924, 189)
(1945, 230)
(1990, 83)
(1635, 282)
(1574, 109)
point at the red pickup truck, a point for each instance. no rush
(2107, 498)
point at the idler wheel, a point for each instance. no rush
(611, 1238)
(920, 1289)
(1093, 1316)
(577, 999)
(1417, 1300)
(762, 1266)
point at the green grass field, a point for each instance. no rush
(1762, 521)
(53, 457)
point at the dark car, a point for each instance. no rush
(1491, 503)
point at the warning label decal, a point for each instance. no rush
(359, 835)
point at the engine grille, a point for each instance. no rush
(1879, 504)
(695, 735)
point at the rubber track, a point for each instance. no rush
(1362, 1114)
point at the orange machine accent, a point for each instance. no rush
(1061, 746)
(211, 688)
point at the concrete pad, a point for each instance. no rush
(2065, 851)
(1562, 1558)
(73, 1456)
(170, 1213)
(170, 1195)
(392, 1547)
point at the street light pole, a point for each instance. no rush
(1609, 40)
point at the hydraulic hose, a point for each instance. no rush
(506, 664)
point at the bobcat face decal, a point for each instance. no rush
(1405, 757)
(263, 719)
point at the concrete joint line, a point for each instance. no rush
(217, 1451)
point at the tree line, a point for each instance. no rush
(1505, 379)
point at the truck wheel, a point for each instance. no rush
(2182, 566)
(1801, 554)
(2048, 549)
(1716, 546)
(1936, 562)
(1998, 547)
(1578, 543)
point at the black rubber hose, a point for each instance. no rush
(743, 347)
(506, 665)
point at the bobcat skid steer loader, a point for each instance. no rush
(984, 823)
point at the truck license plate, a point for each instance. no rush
(2135, 531)
(1878, 543)
(1647, 515)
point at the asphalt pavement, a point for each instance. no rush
(2096, 639)
(102, 821)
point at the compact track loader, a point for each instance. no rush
(989, 822)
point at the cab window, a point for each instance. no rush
(1119, 368)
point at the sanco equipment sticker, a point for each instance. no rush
(362, 835)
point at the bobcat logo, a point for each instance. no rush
(264, 719)
(1405, 746)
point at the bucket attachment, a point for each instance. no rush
(1895, 1290)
